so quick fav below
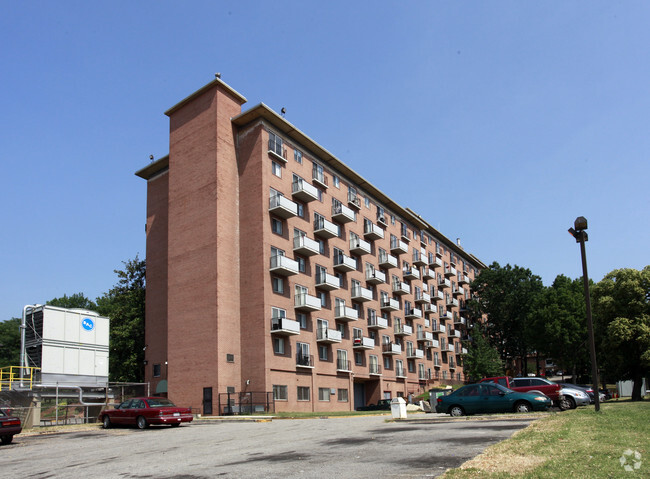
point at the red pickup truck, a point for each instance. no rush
(531, 385)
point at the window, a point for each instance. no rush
(275, 143)
(278, 345)
(278, 285)
(276, 169)
(323, 298)
(358, 358)
(366, 201)
(302, 352)
(301, 264)
(297, 155)
(279, 392)
(380, 214)
(302, 319)
(340, 327)
(156, 370)
(320, 194)
(392, 219)
(343, 395)
(323, 394)
(301, 209)
(337, 181)
(342, 359)
(323, 352)
(303, 393)
(230, 358)
(276, 226)
(411, 366)
(387, 362)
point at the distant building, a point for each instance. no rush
(273, 266)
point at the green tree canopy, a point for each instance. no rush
(124, 305)
(622, 324)
(507, 295)
(482, 359)
(77, 300)
(558, 324)
(10, 342)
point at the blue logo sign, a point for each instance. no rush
(88, 324)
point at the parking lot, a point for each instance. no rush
(351, 447)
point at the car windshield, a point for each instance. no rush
(162, 402)
(503, 388)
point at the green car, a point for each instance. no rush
(486, 398)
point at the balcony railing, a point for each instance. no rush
(389, 304)
(276, 150)
(305, 361)
(425, 336)
(375, 276)
(345, 313)
(400, 287)
(444, 283)
(387, 260)
(419, 258)
(400, 372)
(363, 343)
(282, 207)
(374, 369)
(304, 191)
(305, 246)
(415, 353)
(371, 231)
(391, 348)
(359, 293)
(428, 273)
(306, 302)
(284, 266)
(343, 365)
(325, 335)
(354, 201)
(437, 296)
(344, 263)
(450, 271)
(325, 229)
(435, 262)
(377, 322)
(403, 330)
(327, 282)
(413, 313)
(318, 177)
(359, 246)
(411, 273)
(398, 246)
(284, 326)
(342, 213)
(423, 298)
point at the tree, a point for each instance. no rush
(622, 323)
(77, 300)
(507, 295)
(482, 359)
(124, 305)
(558, 324)
(10, 342)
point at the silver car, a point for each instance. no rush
(574, 397)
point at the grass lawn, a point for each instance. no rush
(576, 443)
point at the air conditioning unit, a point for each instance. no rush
(382, 219)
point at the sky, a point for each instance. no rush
(499, 122)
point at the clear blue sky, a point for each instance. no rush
(498, 122)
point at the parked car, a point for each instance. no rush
(580, 387)
(532, 384)
(490, 398)
(574, 396)
(144, 411)
(9, 427)
(382, 405)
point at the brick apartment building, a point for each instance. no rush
(273, 266)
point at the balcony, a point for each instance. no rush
(375, 277)
(374, 369)
(440, 329)
(343, 263)
(399, 287)
(428, 273)
(411, 274)
(377, 323)
(449, 348)
(437, 296)
(342, 213)
(451, 302)
(398, 247)
(305, 246)
(454, 333)
(354, 201)
(282, 207)
(414, 353)
(463, 350)
(429, 308)
(328, 336)
(425, 336)
(445, 315)
(400, 373)
(391, 349)
(371, 231)
(419, 258)
(413, 313)
(435, 262)
(325, 229)
(359, 293)
(359, 246)
(463, 279)
(423, 298)
(387, 261)
(319, 178)
(452, 365)
(434, 343)
(345, 313)
(437, 363)
(284, 326)
(450, 272)
(343, 365)
(303, 191)
(276, 150)
(283, 266)
(306, 302)
(459, 291)
(327, 282)
(389, 304)
(459, 321)
(363, 343)
(381, 220)
(403, 330)
(305, 361)
(444, 283)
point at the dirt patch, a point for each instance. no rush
(514, 464)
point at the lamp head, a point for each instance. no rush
(580, 223)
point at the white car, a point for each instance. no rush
(574, 397)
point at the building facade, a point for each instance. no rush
(273, 266)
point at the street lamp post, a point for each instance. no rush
(579, 233)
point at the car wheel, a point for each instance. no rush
(141, 422)
(522, 406)
(456, 411)
(572, 402)
(564, 403)
(106, 422)
(7, 439)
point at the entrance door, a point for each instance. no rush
(207, 401)
(359, 395)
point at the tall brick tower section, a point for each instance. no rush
(203, 242)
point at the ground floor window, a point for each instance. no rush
(343, 395)
(303, 393)
(279, 392)
(323, 394)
